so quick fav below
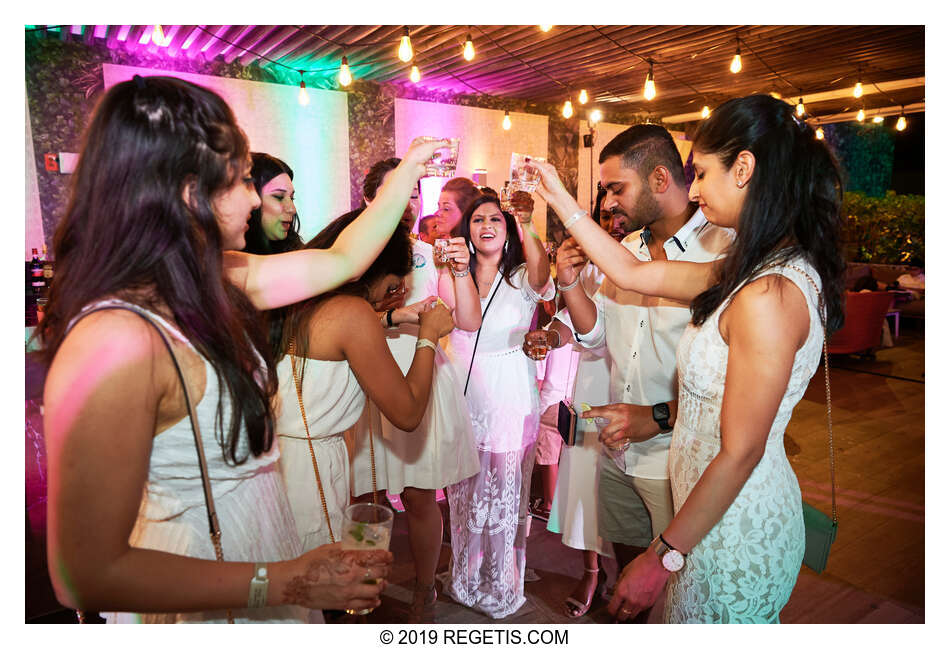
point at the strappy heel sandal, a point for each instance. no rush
(574, 608)
(422, 608)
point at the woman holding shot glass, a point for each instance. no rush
(489, 510)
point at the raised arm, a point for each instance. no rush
(536, 259)
(107, 390)
(764, 326)
(355, 327)
(677, 280)
(457, 289)
(273, 281)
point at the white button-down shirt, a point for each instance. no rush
(641, 334)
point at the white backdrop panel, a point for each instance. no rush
(34, 214)
(312, 139)
(484, 143)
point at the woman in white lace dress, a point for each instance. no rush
(161, 191)
(734, 548)
(489, 510)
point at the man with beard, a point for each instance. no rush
(647, 195)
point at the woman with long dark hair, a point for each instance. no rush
(338, 349)
(735, 545)
(161, 190)
(274, 226)
(489, 510)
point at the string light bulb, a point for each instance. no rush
(800, 108)
(861, 114)
(568, 109)
(819, 132)
(858, 90)
(345, 77)
(506, 123)
(582, 98)
(545, 28)
(595, 116)
(649, 88)
(405, 46)
(736, 66)
(877, 119)
(158, 36)
(414, 74)
(901, 121)
(302, 97)
(705, 113)
(468, 52)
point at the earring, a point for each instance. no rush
(740, 185)
(471, 248)
(506, 246)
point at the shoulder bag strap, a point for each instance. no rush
(477, 335)
(213, 526)
(831, 445)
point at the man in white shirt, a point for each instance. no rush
(646, 189)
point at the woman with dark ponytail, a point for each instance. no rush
(734, 548)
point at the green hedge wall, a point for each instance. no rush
(883, 230)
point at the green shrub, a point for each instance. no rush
(886, 230)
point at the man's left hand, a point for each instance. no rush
(626, 423)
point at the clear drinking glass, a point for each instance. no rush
(440, 251)
(526, 178)
(616, 453)
(537, 349)
(445, 159)
(366, 527)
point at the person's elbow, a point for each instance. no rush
(408, 420)
(72, 588)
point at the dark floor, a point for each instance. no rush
(876, 570)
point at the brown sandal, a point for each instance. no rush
(575, 608)
(422, 608)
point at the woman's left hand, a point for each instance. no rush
(458, 254)
(410, 312)
(639, 586)
(522, 204)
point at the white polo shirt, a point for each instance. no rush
(641, 334)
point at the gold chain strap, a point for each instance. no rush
(831, 446)
(291, 350)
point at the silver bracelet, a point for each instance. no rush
(425, 342)
(577, 216)
(461, 273)
(568, 287)
(554, 331)
(257, 595)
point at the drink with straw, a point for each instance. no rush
(366, 527)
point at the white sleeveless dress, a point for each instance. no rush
(253, 512)
(746, 566)
(333, 400)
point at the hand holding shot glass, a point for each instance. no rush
(366, 527)
(452, 252)
(445, 159)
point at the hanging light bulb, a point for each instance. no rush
(345, 77)
(302, 97)
(506, 123)
(649, 88)
(405, 46)
(736, 64)
(878, 119)
(705, 113)
(820, 133)
(158, 36)
(414, 74)
(545, 28)
(595, 116)
(800, 108)
(582, 98)
(861, 114)
(568, 109)
(901, 121)
(858, 89)
(468, 52)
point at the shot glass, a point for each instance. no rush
(445, 159)
(616, 453)
(440, 251)
(366, 527)
(526, 177)
(41, 308)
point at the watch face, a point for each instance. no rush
(673, 560)
(661, 411)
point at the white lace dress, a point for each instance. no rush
(744, 569)
(489, 510)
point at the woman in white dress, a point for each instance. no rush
(489, 510)
(341, 357)
(441, 450)
(735, 545)
(161, 190)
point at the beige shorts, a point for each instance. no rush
(549, 445)
(631, 510)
